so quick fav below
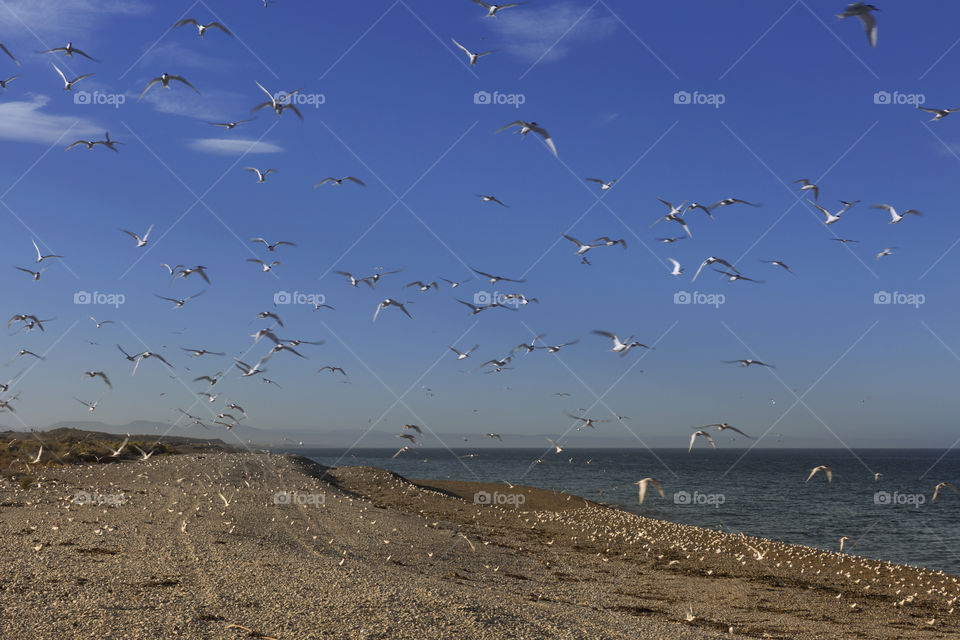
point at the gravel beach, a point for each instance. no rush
(242, 545)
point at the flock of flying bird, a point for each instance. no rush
(230, 413)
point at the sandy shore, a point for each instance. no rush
(240, 545)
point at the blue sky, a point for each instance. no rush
(398, 111)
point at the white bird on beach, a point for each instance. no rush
(141, 242)
(68, 84)
(894, 216)
(862, 10)
(943, 485)
(527, 127)
(261, 175)
(164, 81)
(643, 488)
(471, 55)
(492, 9)
(827, 470)
(702, 434)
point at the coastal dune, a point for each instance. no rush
(240, 545)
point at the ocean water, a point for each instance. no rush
(763, 493)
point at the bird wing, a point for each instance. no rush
(515, 123)
(870, 26)
(7, 51)
(147, 88)
(217, 25)
(462, 48)
(184, 81)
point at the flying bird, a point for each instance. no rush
(943, 485)
(278, 103)
(862, 10)
(68, 51)
(7, 51)
(202, 28)
(827, 470)
(272, 247)
(164, 81)
(68, 84)
(809, 186)
(700, 434)
(894, 216)
(178, 303)
(940, 113)
(492, 9)
(643, 488)
(390, 303)
(141, 242)
(713, 260)
(339, 181)
(490, 199)
(748, 362)
(527, 127)
(472, 56)
(261, 175)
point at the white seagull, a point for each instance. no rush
(702, 434)
(894, 216)
(831, 217)
(141, 242)
(943, 485)
(712, 260)
(621, 347)
(463, 355)
(677, 269)
(202, 28)
(809, 186)
(527, 127)
(471, 55)
(390, 303)
(164, 81)
(827, 470)
(261, 175)
(492, 9)
(643, 488)
(68, 84)
(862, 10)
(940, 113)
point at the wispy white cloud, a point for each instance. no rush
(233, 146)
(25, 122)
(56, 18)
(550, 33)
(180, 100)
